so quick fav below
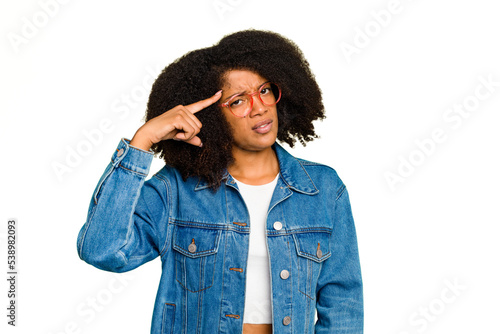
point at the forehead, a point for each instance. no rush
(241, 80)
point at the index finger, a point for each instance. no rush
(200, 105)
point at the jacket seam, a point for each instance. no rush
(84, 234)
(185, 287)
(225, 227)
(299, 231)
(95, 196)
(131, 222)
(313, 257)
(186, 223)
(165, 182)
(309, 176)
(340, 191)
(223, 262)
(132, 171)
(155, 230)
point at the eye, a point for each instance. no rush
(236, 102)
(265, 90)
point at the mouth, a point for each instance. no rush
(263, 126)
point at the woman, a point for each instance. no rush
(251, 239)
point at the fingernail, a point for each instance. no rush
(201, 145)
(218, 92)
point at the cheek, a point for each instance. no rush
(234, 123)
(238, 130)
(229, 118)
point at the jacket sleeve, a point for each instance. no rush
(119, 233)
(339, 290)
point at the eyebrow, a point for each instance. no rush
(244, 92)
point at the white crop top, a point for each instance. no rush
(258, 285)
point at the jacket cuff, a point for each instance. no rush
(132, 158)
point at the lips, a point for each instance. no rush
(263, 126)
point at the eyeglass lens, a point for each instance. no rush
(241, 104)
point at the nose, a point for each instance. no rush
(258, 108)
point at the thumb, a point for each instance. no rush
(196, 141)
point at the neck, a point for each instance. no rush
(254, 168)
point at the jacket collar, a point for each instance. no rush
(292, 173)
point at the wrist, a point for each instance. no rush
(141, 140)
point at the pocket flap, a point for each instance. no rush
(313, 245)
(195, 241)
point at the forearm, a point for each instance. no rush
(110, 219)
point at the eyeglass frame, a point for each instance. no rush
(251, 95)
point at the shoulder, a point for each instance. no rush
(166, 177)
(308, 175)
(324, 177)
(170, 179)
(156, 190)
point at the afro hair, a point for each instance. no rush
(200, 73)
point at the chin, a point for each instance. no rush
(255, 146)
(264, 144)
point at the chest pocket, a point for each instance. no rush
(312, 249)
(196, 251)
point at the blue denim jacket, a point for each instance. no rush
(202, 238)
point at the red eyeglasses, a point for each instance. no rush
(240, 105)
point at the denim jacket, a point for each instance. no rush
(202, 239)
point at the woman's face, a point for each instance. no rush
(259, 129)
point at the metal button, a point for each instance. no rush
(277, 226)
(319, 253)
(120, 152)
(287, 320)
(284, 274)
(192, 247)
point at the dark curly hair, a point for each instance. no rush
(200, 73)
